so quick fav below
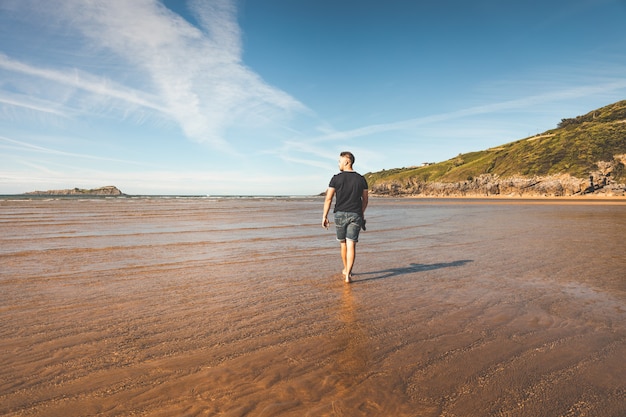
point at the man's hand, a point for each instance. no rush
(325, 223)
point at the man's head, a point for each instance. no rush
(346, 160)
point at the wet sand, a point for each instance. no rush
(207, 307)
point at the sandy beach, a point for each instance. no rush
(236, 307)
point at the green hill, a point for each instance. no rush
(592, 145)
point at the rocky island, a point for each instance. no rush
(108, 190)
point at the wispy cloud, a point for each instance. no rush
(197, 72)
(491, 108)
(28, 103)
(313, 150)
(82, 81)
(191, 74)
(28, 147)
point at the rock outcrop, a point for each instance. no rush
(600, 182)
(109, 190)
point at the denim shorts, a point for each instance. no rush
(348, 225)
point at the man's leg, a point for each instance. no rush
(350, 251)
(344, 255)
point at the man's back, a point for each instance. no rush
(349, 186)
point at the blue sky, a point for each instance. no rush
(259, 97)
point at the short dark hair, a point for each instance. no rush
(348, 155)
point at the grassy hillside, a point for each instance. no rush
(575, 147)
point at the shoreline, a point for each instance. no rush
(599, 198)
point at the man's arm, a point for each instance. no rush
(364, 200)
(330, 193)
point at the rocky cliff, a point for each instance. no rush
(599, 182)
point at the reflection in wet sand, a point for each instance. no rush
(352, 359)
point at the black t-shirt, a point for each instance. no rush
(349, 186)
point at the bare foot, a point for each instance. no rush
(348, 277)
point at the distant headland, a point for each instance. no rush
(583, 156)
(108, 190)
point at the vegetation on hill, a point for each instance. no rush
(576, 147)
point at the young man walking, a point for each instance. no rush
(350, 190)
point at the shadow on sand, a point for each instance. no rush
(393, 272)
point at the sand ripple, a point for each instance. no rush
(197, 307)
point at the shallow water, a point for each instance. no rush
(236, 307)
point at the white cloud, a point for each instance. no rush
(29, 103)
(28, 147)
(491, 108)
(193, 75)
(80, 80)
(198, 74)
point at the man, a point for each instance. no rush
(350, 189)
